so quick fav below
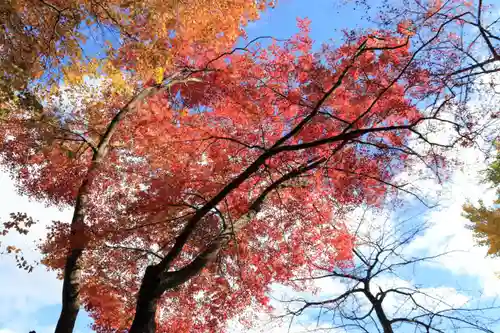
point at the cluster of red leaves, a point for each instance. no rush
(182, 147)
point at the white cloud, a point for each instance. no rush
(285, 325)
(6, 331)
(435, 299)
(23, 294)
(449, 232)
(282, 300)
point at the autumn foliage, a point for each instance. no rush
(485, 220)
(181, 148)
(201, 174)
(46, 41)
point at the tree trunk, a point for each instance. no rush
(379, 310)
(72, 267)
(384, 321)
(147, 301)
(70, 294)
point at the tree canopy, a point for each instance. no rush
(200, 171)
(44, 42)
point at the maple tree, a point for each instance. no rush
(44, 42)
(195, 190)
(163, 185)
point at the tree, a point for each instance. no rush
(182, 188)
(485, 221)
(44, 42)
(472, 40)
(474, 44)
(218, 178)
(379, 293)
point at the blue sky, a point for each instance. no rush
(327, 17)
(31, 301)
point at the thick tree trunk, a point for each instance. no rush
(147, 301)
(379, 310)
(156, 281)
(72, 268)
(384, 321)
(70, 294)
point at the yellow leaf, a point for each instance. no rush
(158, 74)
